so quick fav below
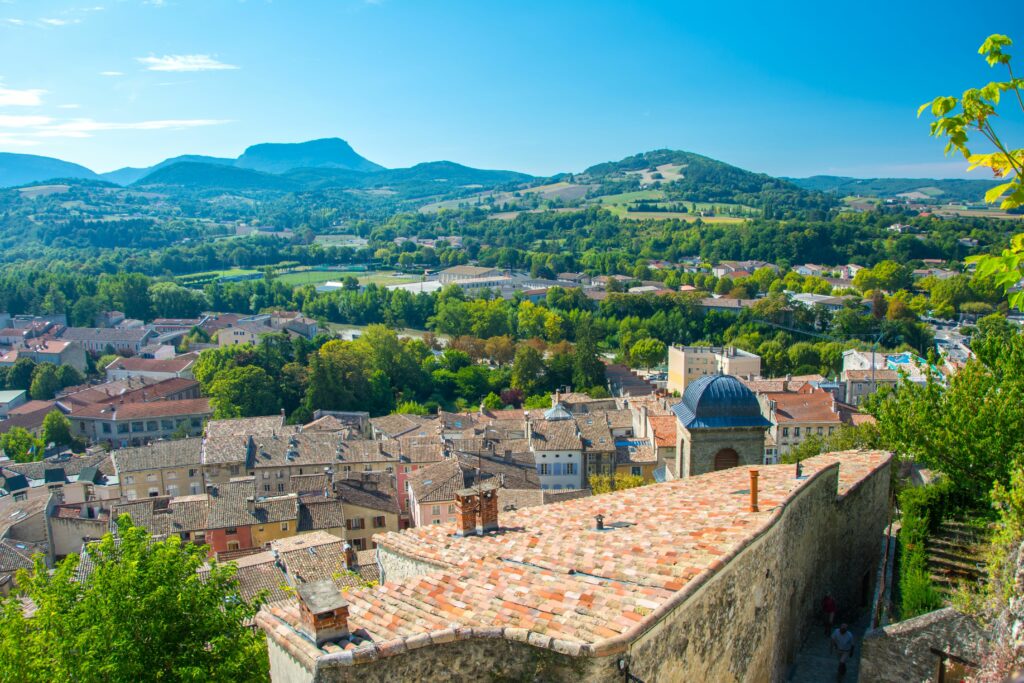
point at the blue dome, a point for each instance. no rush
(718, 402)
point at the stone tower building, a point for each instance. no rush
(720, 426)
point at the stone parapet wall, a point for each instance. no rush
(901, 652)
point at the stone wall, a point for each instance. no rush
(902, 651)
(67, 535)
(744, 623)
(697, 449)
(395, 567)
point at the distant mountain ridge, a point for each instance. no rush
(20, 169)
(957, 189)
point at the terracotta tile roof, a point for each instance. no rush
(551, 579)
(395, 425)
(664, 430)
(140, 411)
(559, 435)
(158, 455)
(812, 406)
(71, 465)
(130, 335)
(136, 364)
(14, 555)
(315, 556)
(30, 407)
(265, 425)
(220, 450)
(372, 492)
(317, 512)
(368, 568)
(164, 516)
(640, 454)
(257, 572)
(595, 433)
(437, 482)
(229, 506)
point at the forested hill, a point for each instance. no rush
(685, 176)
(950, 189)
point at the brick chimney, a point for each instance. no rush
(466, 505)
(323, 612)
(489, 511)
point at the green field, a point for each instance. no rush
(314, 277)
(630, 197)
(387, 277)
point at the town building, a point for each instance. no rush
(687, 363)
(719, 426)
(41, 350)
(11, 399)
(100, 340)
(137, 423)
(163, 468)
(460, 273)
(137, 366)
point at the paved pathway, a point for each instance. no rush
(816, 664)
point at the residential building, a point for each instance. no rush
(41, 350)
(796, 416)
(99, 340)
(163, 468)
(859, 384)
(687, 363)
(136, 366)
(371, 507)
(557, 449)
(137, 423)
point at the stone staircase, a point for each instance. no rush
(815, 663)
(955, 554)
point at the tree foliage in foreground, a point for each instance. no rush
(972, 429)
(143, 613)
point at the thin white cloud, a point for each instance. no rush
(28, 121)
(50, 21)
(111, 74)
(184, 63)
(14, 22)
(10, 140)
(9, 97)
(84, 128)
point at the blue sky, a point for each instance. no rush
(785, 88)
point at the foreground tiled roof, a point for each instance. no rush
(550, 579)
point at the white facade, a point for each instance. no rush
(561, 469)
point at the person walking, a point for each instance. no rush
(828, 610)
(842, 642)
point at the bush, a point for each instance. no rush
(923, 509)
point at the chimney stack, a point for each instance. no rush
(351, 559)
(489, 511)
(323, 612)
(466, 505)
(753, 491)
(250, 505)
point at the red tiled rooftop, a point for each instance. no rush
(664, 428)
(550, 578)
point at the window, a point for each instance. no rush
(122, 428)
(151, 426)
(570, 468)
(796, 431)
(196, 423)
(831, 429)
(359, 543)
(151, 477)
(193, 473)
(231, 531)
(167, 425)
(266, 474)
(138, 427)
(451, 509)
(236, 469)
(355, 523)
(172, 490)
(636, 471)
(172, 475)
(266, 488)
(379, 522)
(405, 468)
(233, 545)
(542, 468)
(105, 426)
(284, 526)
(346, 468)
(437, 521)
(280, 474)
(785, 431)
(129, 479)
(367, 468)
(154, 492)
(389, 469)
(820, 430)
(435, 510)
(280, 488)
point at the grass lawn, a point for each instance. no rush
(630, 197)
(314, 277)
(222, 273)
(387, 277)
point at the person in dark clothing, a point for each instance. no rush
(828, 610)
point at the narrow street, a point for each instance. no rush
(815, 663)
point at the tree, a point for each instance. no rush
(244, 391)
(19, 445)
(587, 368)
(45, 382)
(493, 402)
(648, 352)
(20, 374)
(527, 369)
(974, 110)
(143, 613)
(57, 429)
(411, 408)
(69, 376)
(171, 300)
(985, 400)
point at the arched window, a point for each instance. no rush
(726, 458)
